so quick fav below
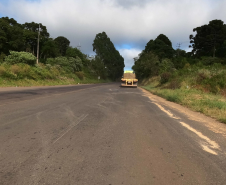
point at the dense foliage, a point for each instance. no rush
(209, 39)
(18, 50)
(204, 68)
(20, 57)
(158, 57)
(110, 57)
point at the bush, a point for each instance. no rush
(20, 57)
(2, 57)
(210, 60)
(201, 77)
(2, 70)
(175, 84)
(69, 64)
(187, 66)
(179, 62)
(80, 75)
(165, 65)
(50, 61)
(165, 77)
(26, 69)
(173, 98)
(16, 69)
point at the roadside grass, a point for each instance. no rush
(210, 104)
(47, 82)
(23, 75)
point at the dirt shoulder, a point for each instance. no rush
(211, 123)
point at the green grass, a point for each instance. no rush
(23, 75)
(210, 104)
(47, 82)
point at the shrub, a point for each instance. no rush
(2, 70)
(210, 60)
(20, 57)
(69, 64)
(179, 62)
(201, 77)
(76, 63)
(165, 77)
(50, 61)
(26, 69)
(54, 71)
(175, 84)
(80, 75)
(173, 98)
(16, 69)
(2, 57)
(187, 66)
(165, 65)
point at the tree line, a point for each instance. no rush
(18, 44)
(208, 47)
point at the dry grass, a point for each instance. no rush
(16, 69)
(2, 70)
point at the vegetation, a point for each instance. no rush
(210, 39)
(106, 52)
(59, 63)
(195, 79)
(192, 96)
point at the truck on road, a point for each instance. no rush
(129, 79)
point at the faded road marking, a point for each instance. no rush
(207, 149)
(167, 112)
(209, 143)
(212, 144)
(208, 146)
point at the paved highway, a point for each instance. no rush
(106, 135)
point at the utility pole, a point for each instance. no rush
(38, 44)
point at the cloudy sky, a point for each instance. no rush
(130, 24)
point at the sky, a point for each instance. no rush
(130, 24)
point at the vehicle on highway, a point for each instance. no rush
(129, 79)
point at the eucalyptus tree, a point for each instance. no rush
(107, 53)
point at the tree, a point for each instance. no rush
(31, 36)
(49, 49)
(165, 39)
(74, 52)
(62, 44)
(155, 58)
(105, 50)
(159, 48)
(11, 35)
(147, 65)
(99, 68)
(208, 39)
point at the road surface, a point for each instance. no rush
(106, 135)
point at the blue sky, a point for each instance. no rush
(130, 24)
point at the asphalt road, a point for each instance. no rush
(105, 135)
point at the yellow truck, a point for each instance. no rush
(129, 79)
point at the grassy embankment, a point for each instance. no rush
(201, 88)
(22, 75)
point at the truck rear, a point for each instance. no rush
(129, 79)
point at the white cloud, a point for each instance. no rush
(132, 22)
(128, 55)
